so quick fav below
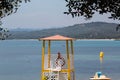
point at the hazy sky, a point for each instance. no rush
(46, 14)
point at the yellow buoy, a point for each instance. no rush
(101, 54)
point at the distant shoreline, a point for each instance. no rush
(77, 39)
(99, 39)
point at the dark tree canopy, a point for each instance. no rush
(8, 7)
(3, 33)
(87, 8)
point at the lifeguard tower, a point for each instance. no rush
(56, 66)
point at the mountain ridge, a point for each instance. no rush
(93, 30)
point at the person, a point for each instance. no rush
(60, 61)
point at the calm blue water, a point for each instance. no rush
(21, 59)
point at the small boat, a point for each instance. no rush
(99, 76)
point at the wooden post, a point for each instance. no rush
(68, 59)
(72, 51)
(43, 53)
(49, 54)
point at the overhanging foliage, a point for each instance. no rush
(87, 8)
(8, 7)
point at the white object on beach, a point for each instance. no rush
(102, 76)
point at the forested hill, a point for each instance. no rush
(94, 30)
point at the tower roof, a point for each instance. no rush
(57, 37)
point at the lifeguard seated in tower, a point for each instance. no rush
(60, 61)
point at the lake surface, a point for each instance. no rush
(21, 59)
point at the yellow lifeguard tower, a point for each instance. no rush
(57, 66)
